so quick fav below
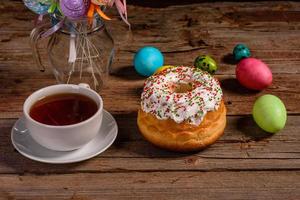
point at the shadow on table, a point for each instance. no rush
(229, 59)
(139, 90)
(130, 139)
(17, 163)
(126, 73)
(129, 143)
(232, 85)
(248, 126)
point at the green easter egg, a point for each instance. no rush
(269, 113)
(206, 63)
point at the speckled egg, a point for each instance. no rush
(147, 60)
(241, 51)
(206, 63)
(269, 113)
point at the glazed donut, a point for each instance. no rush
(182, 109)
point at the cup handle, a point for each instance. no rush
(84, 85)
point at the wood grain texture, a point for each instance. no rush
(243, 147)
(272, 36)
(126, 87)
(246, 163)
(155, 185)
(182, 33)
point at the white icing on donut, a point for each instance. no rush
(160, 99)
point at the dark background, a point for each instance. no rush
(165, 3)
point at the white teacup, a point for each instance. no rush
(68, 137)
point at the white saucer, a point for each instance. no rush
(29, 148)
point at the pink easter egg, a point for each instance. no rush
(253, 74)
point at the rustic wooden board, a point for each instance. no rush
(243, 147)
(273, 37)
(126, 87)
(201, 28)
(155, 185)
(245, 163)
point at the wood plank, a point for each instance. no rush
(215, 31)
(130, 165)
(124, 88)
(272, 37)
(155, 185)
(245, 163)
(243, 147)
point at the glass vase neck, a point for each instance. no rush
(83, 25)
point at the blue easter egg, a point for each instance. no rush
(37, 6)
(241, 51)
(147, 60)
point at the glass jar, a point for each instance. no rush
(81, 51)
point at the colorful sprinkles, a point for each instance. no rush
(160, 98)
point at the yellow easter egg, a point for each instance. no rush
(162, 68)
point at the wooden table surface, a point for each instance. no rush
(245, 163)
